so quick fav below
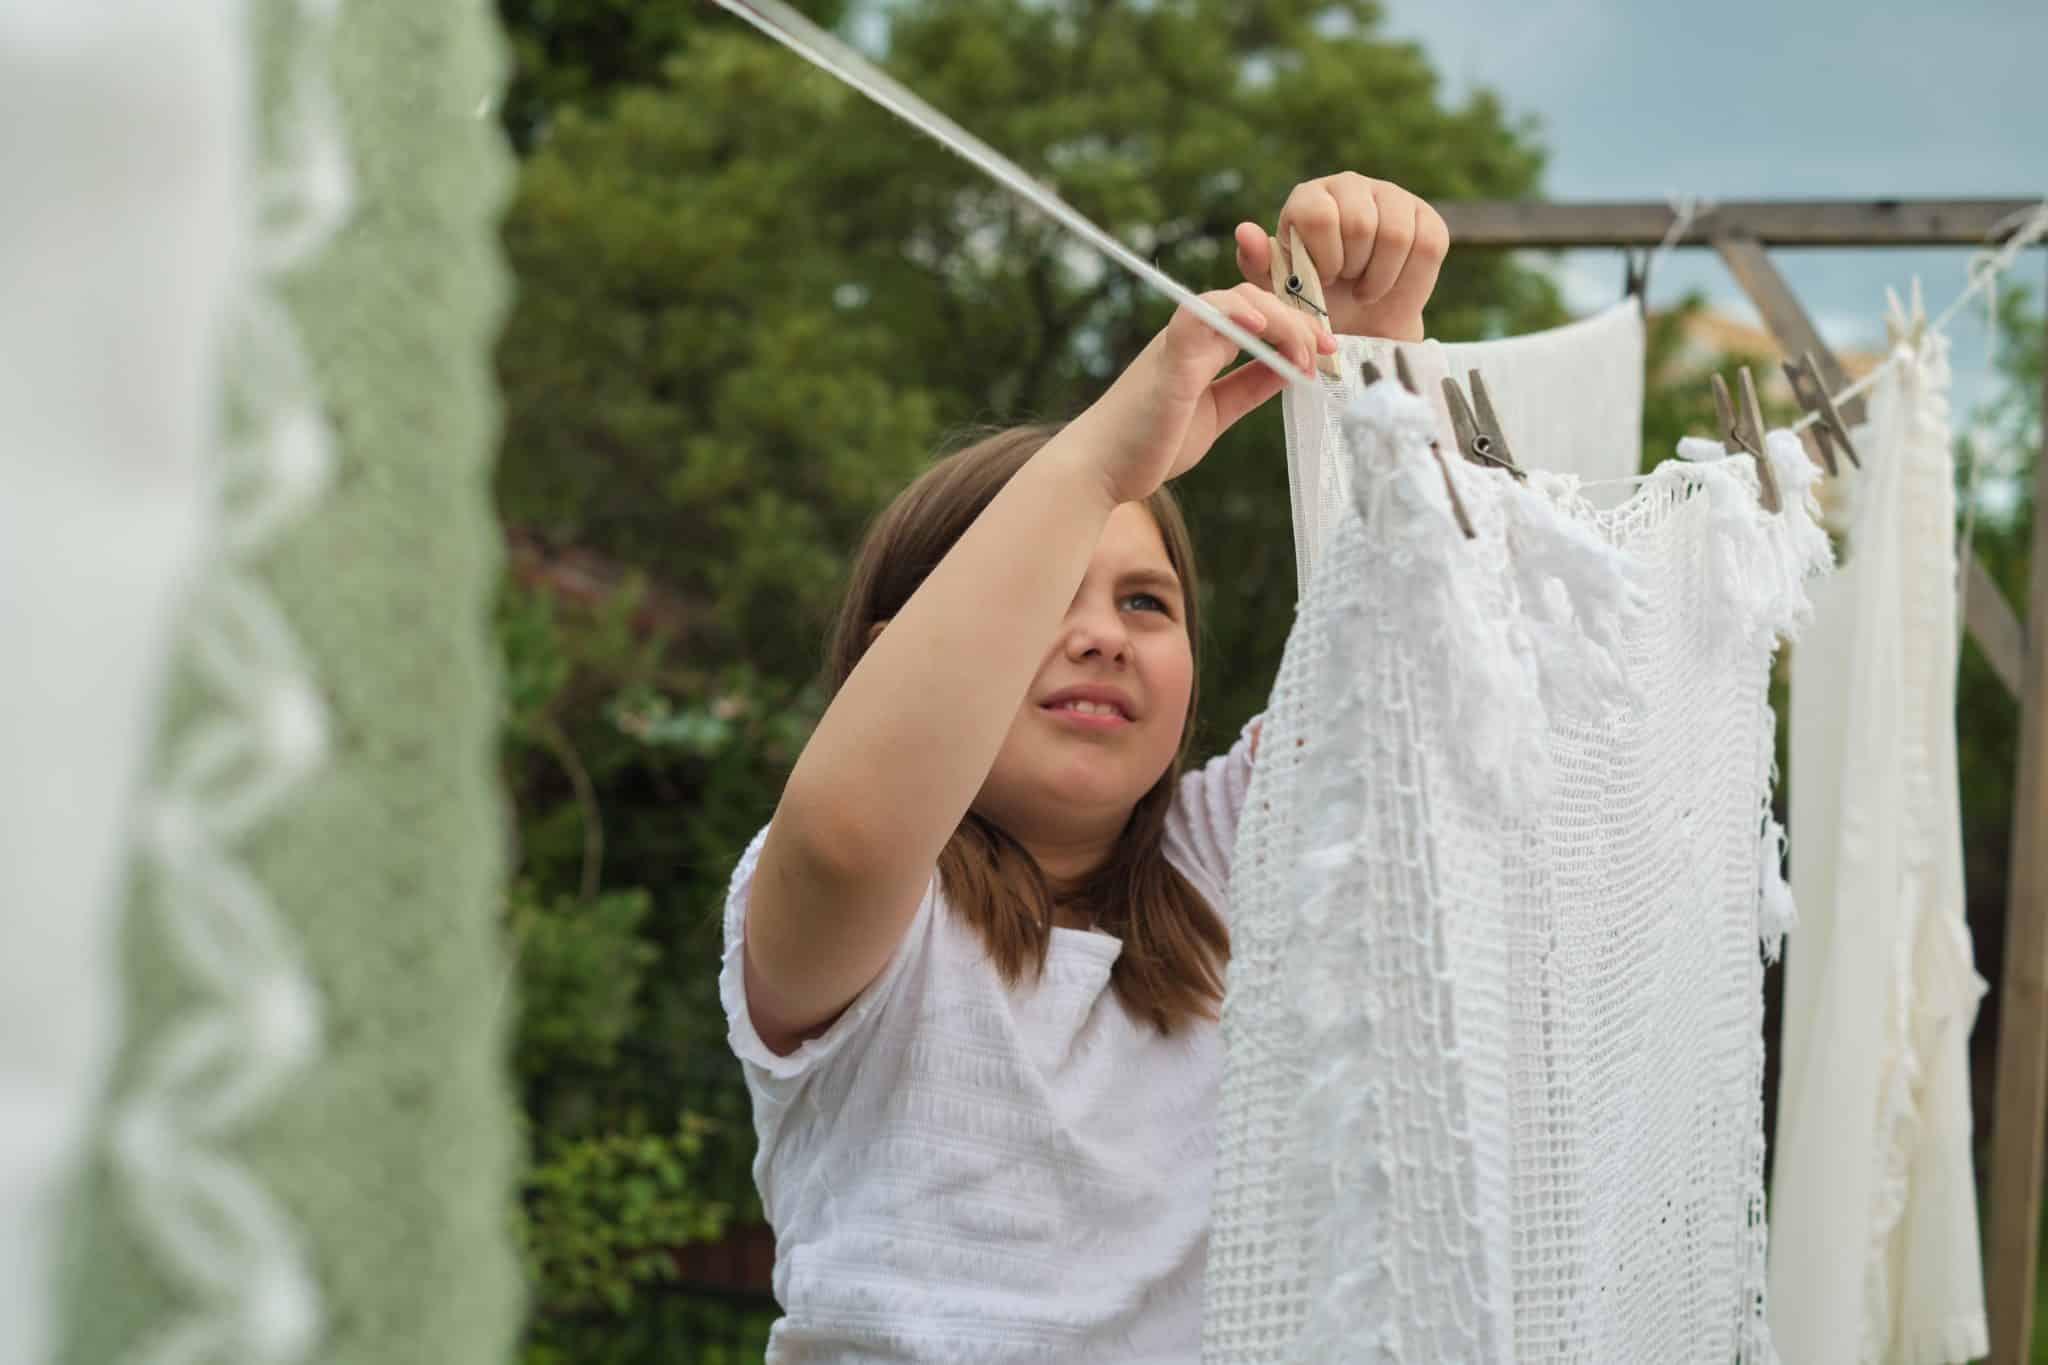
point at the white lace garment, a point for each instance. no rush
(1494, 1011)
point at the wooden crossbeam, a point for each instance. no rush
(1773, 222)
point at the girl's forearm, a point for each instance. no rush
(906, 744)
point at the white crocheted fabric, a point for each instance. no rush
(1494, 1009)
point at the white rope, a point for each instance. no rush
(1686, 209)
(1986, 265)
(827, 53)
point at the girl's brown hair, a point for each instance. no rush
(1170, 970)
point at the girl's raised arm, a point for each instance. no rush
(907, 743)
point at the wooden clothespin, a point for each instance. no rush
(1372, 375)
(1295, 280)
(1742, 431)
(1479, 437)
(1902, 325)
(1407, 375)
(1635, 277)
(1828, 429)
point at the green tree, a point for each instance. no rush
(750, 305)
(575, 53)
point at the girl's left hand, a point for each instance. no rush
(1377, 249)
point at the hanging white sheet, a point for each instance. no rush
(1875, 1251)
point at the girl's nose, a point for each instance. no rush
(1097, 633)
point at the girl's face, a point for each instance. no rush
(1103, 718)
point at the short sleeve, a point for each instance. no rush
(1201, 827)
(762, 1063)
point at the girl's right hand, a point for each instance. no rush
(1167, 408)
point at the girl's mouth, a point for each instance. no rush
(1088, 715)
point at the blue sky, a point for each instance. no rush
(1744, 99)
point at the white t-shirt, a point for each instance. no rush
(957, 1171)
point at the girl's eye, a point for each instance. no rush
(1156, 604)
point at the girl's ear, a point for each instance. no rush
(876, 629)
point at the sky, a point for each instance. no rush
(1747, 99)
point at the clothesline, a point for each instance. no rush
(1985, 268)
(827, 53)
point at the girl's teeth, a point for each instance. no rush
(1091, 708)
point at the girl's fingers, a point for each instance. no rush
(1305, 335)
(1358, 221)
(1242, 305)
(1314, 212)
(1417, 281)
(1392, 242)
(1253, 255)
(1287, 329)
(1240, 391)
(1377, 248)
(1251, 319)
(1283, 326)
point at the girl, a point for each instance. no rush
(972, 964)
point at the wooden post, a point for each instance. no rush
(1991, 619)
(2014, 1227)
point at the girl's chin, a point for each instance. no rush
(1099, 779)
(1061, 782)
